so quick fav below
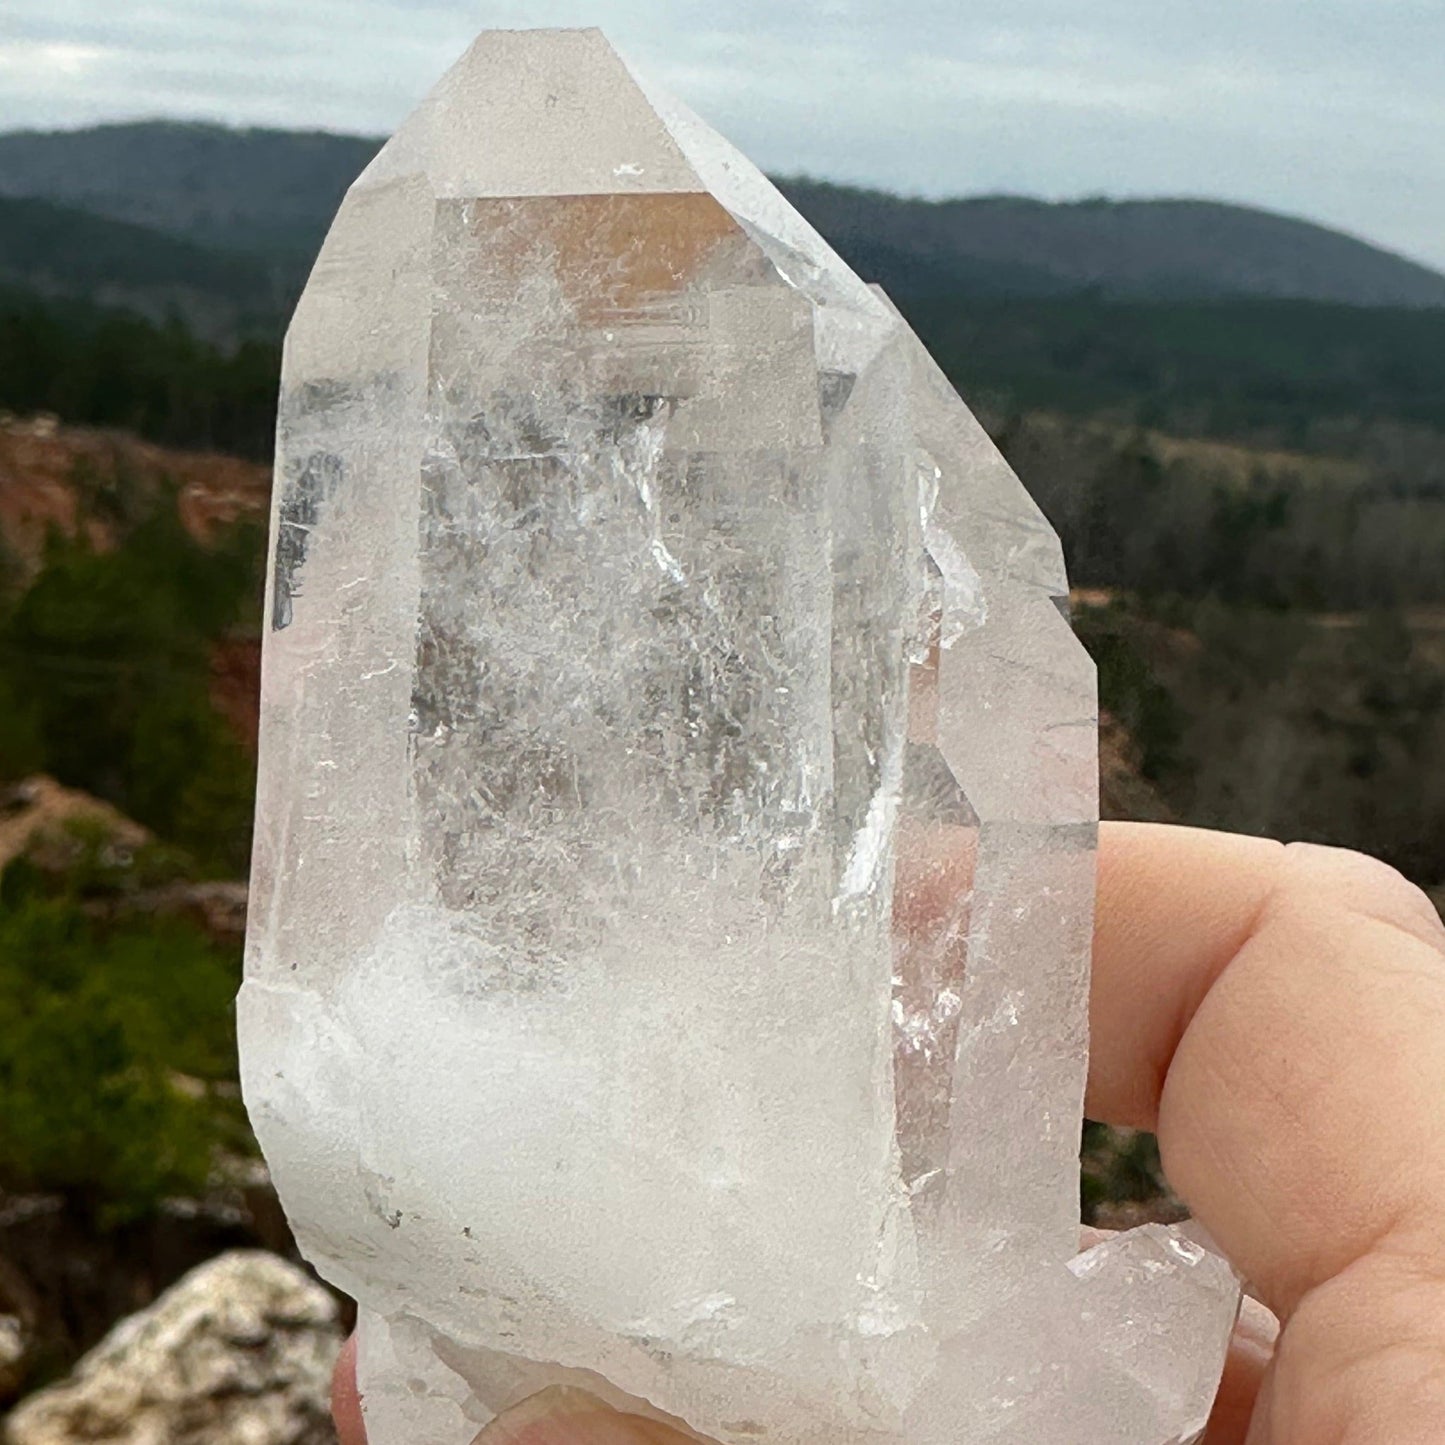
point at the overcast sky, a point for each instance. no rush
(1332, 109)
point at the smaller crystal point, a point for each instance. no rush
(668, 968)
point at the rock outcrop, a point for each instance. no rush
(19, 1310)
(84, 480)
(37, 813)
(239, 1352)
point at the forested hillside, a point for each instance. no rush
(266, 191)
(1128, 250)
(54, 251)
(118, 368)
(1298, 375)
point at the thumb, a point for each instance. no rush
(559, 1416)
(566, 1416)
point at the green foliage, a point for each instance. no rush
(1129, 689)
(117, 1036)
(1117, 1166)
(63, 251)
(107, 658)
(1264, 370)
(111, 368)
(22, 741)
(1322, 727)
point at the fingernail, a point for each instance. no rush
(564, 1415)
(1256, 1327)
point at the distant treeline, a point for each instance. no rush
(1160, 518)
(115, 369)
(55, 252)
(1303, 375)
(1359, 523)
(1282, 373)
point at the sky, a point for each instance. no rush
(1329, 109)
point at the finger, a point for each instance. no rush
(557, 1416)
(1250, 1351)
(1174, 906)
(1362, 1359)
(345, 1401)
(564, 1416)
(1280, 1013)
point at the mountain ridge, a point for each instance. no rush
(1161, 248)
(272, 193)
(254, 189)
(60, 252)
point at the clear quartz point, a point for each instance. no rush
(669, 951)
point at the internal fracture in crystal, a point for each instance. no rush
(668, 963)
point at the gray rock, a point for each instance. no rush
(238, 1352)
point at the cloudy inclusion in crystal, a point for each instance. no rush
(669, 954)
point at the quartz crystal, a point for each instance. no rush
(668, 963)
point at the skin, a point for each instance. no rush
(1277, 1015)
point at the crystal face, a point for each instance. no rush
(668, 963)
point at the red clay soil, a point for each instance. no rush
(236, 687)
(44, 466)
(1124, 792)
(41, 463)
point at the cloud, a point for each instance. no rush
(1327, 108)
(56, 58)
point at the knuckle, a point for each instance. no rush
(1363, 884)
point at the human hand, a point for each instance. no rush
(1277, 1016)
